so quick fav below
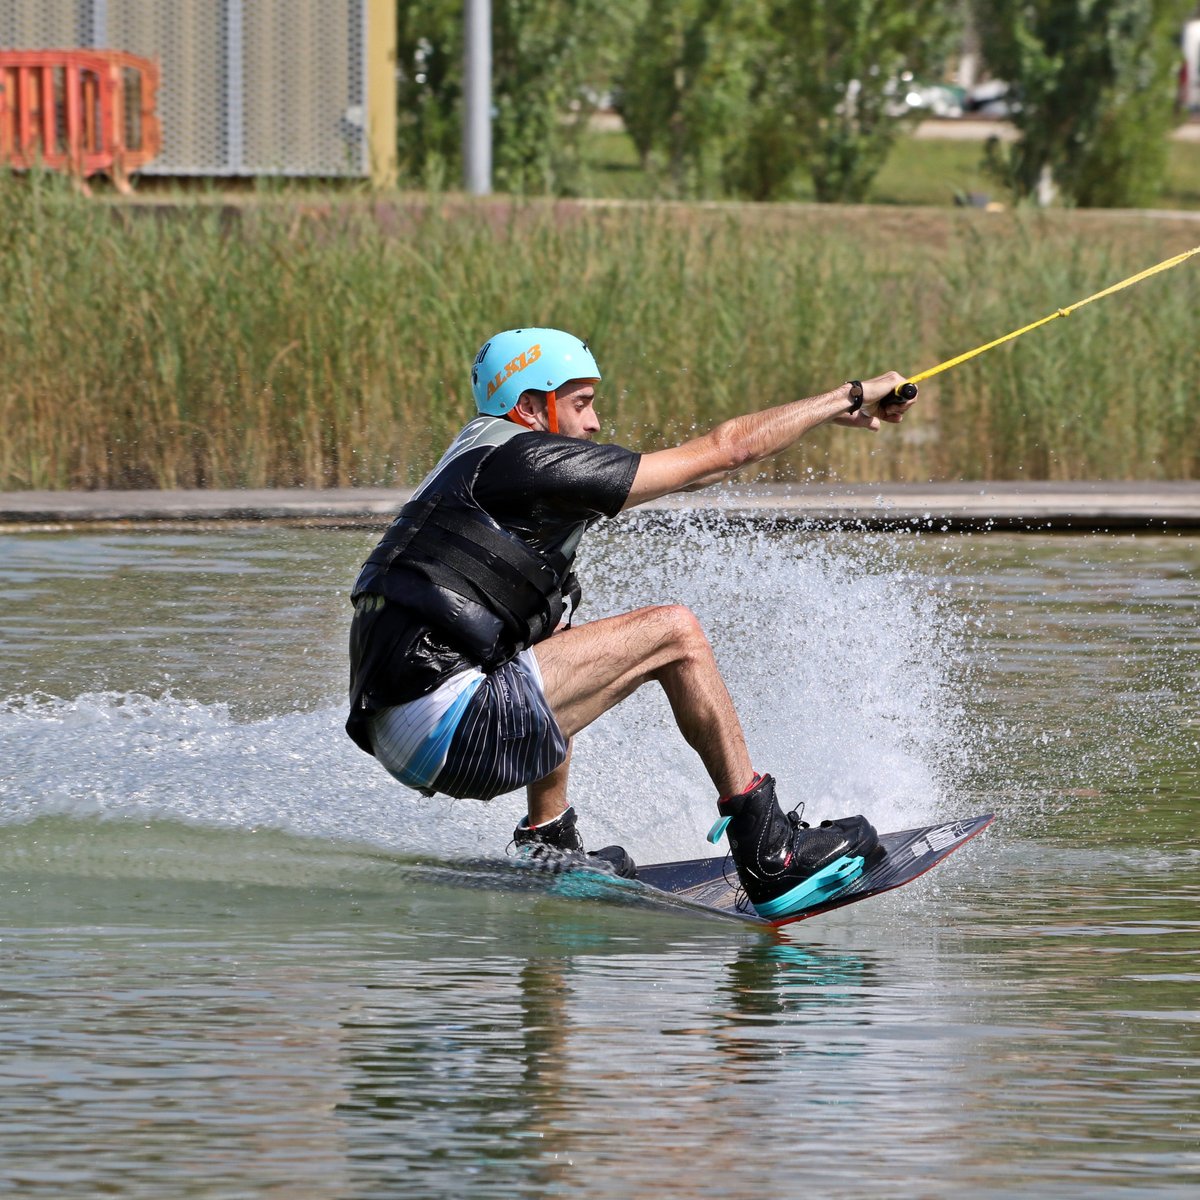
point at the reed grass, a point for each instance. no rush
(295, 341)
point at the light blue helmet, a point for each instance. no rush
(520, 360)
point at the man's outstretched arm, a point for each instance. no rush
(741, 441)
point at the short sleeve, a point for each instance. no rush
(546, 475)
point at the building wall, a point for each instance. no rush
(249, 87)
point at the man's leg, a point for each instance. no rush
(586, 671)
(547, 796)
(782, 864)
(548, 809)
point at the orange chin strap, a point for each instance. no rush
(551, 414)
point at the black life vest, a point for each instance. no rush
(447, 561)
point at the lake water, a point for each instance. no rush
(236, 959)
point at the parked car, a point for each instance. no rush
(934, 99)
(1189, 72)
(992, 98)
(907, 94)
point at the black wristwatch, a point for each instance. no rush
(856, 395)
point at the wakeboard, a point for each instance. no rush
(712, 883)
(709, 886)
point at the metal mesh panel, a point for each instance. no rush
(304, 88)
(45, 25)
(249, 87)
(185, 36)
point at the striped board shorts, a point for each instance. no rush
(476, 736)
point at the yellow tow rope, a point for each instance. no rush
(907, 391)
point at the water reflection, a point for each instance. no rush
(774, 984)
(514, 1060)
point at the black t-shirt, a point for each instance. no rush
(537, 486)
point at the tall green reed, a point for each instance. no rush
(1103, 393)
(294, 341)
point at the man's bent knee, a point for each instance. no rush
(684, 627)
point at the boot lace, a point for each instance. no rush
(741, 902)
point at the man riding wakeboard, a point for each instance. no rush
(467, 676)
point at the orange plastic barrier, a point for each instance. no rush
(87, 112)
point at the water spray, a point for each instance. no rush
(907, 391)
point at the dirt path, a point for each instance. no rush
(965, 129)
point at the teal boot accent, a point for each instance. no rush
(818, 888)
(718, 830)
(784, 865)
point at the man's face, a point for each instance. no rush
(576, 409)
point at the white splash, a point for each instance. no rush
(838, 657)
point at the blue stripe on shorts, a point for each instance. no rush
(411, 740)
(507, 737)
(425, 766)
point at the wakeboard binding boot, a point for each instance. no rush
(783, 865)
(558, 842)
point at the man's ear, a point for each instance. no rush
(532, 408)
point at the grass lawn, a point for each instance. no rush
(927, 171)
(1183, 176)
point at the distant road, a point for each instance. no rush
(968, 130)
(965, 129)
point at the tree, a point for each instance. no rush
(1094, 80)
(747, 93)
(827, 92)
(685, 89)
(429, 69)
(551, 59)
